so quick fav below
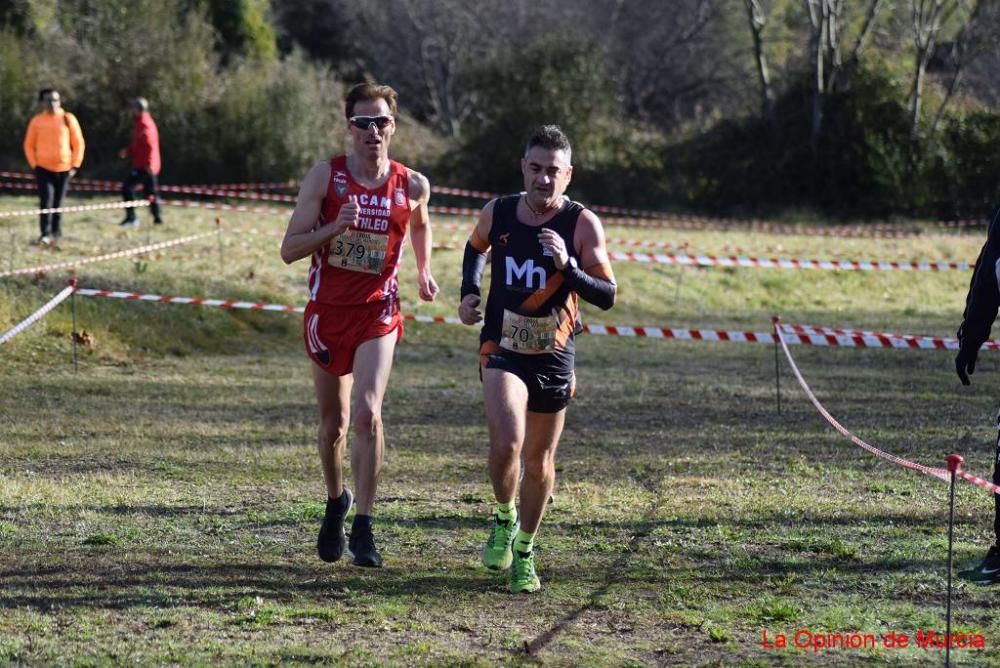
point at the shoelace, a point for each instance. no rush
(498, 526)
(366, 542)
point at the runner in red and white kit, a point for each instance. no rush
(351, 217)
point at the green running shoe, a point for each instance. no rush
(496, 553)
(522, 576)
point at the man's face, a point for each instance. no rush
(371, 128)
(547, 174)
(51, 102)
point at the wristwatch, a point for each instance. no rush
(571, 264)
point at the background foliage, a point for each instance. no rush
(665, 104)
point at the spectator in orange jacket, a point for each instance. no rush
(54, 148)
(145, 153)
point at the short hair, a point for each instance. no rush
(140, 103)
(45, 91)
(369, 91)
(550, 137)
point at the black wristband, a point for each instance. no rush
(473, 265)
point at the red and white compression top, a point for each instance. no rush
(361, 265)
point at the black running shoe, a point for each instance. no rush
(987, 572)
(362, 547)
(331, 535)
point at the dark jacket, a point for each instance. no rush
(984, 292)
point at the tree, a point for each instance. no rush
(973, 40)
(243, 28)
(828, 22)
(758, 17)
(926, 19)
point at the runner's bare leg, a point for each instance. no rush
(506, 399)
(333, 394)
(372, 364)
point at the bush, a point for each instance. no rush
(966, 173)
(266, 121)
(864, 163)
(18, 95)
(562, 81)
(255, 119)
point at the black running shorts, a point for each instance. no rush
(549, 378)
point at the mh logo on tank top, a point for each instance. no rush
(522, 277)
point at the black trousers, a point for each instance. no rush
(996, 481)
(52, 188)
(148, 181)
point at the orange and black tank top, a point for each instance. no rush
(362, 264)
(529, 309)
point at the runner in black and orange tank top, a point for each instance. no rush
(547, 252)
(350, 217)
(532, 311)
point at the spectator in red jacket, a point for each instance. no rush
(145, 153)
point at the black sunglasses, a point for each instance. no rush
(366, 122)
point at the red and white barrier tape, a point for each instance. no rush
(68, 209)
(847, 339)
(196, 301)
(646, 243)
(707, 224)
(940, 473)
(75, 186)
(291, 184)
(463, 192)
(107, 256)
(194, 190)
(37, 315)
(628, 215)
(190, 204)
(448, 210)
(981, 483)
(780, 263)
(828, 336)
(116, 185)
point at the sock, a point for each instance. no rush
(362, 523)
(523, 542)
(338, 505)
(506, 511)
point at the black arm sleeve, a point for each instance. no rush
(473, 264)
(983, 300)
(598, 291)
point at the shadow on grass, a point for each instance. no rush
(220, 587)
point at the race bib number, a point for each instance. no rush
(524, 334)
(355, 250)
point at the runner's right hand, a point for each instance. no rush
(347, 216)
(468, 310)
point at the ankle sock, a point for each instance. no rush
(361, 523)
(506, 511)
(523, 542)
(338, 505)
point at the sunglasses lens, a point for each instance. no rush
(365, 122)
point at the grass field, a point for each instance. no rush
(160, 506)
